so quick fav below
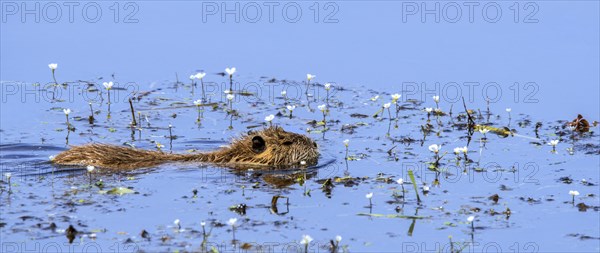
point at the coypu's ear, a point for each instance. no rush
(258, 144)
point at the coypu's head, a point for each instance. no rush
(273, 147)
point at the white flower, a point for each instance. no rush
(436, 98)
(8, 175)
(269, 118)
(437, 110)
(200, 75)
(176, 222)
(283, 93)
(553, 142)
(203, 223)
(230, 71)
(400, 181)
(291, 107)
(158, 145)
(230, 97)
(387, 105)
(302, 162)
(395, 97)
(346, 142)
(51, 157)
(428, 109)
(306, 239)
(227, 92)
(435, 148)
(369, 195)
(198, 102)
(457, 150)
(108, 85)
(465, 149)
(310, 77)
(484, 130)
(471, 218)
(508, 109)
(338, 238)
(90, 168)
(574, 193)
(425, 188)
(232, 221)
(67, 111)
(327, 86)
(53, 66)
(192, 77)
(322, 107)
(375, 98)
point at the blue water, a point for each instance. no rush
(369, 45)
(545, 70)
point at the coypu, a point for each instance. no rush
(271, 146)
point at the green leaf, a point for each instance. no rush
(120, 191)
(414, 182)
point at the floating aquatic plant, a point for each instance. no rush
(8, 175)
(91, 117)
(369, 196)
(90, 169)
(471, 220)
(198, 104)
(230, 72)
(231, 223)
(291, 109)
(67, 111)
(395, 98)
(309, 77)
(230, 98)
(346, 144)
(159, 146)
(108, 86)
(269, 119)
(323, 109)
(327, 88)
(177, 223)
(436, 99)
(400, 181)
(553, 143)
(53, 67)
(573, 194)
(306, 239)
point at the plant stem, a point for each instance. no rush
(133, 123)
(203, 92)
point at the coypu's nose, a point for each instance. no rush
(315, 144)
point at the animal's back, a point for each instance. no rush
(110, 156)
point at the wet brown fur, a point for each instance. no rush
(272, 147)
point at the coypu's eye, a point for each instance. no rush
(258, 144)
(287, 143)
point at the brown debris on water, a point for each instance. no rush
(580, 124)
